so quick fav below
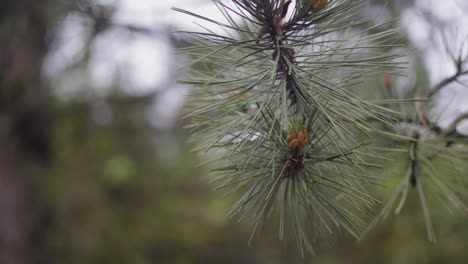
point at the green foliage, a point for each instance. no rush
(167, 214)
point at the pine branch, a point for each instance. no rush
(274, 106)
(431, 163)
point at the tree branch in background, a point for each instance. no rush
(438, 87)
(426, 122)
(452, 129)
(414, 168)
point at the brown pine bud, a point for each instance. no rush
(300, 138)
(306, 135)
(293, 144)
(318, 5)
(388, 80)
(290, 137)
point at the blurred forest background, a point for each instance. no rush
(94, 164)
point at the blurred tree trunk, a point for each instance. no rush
(24, 129)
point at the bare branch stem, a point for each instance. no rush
(281, 175)
(452, 129)
(438, 87)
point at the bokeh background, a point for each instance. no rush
(94, 164)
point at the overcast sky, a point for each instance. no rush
(143, 63)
